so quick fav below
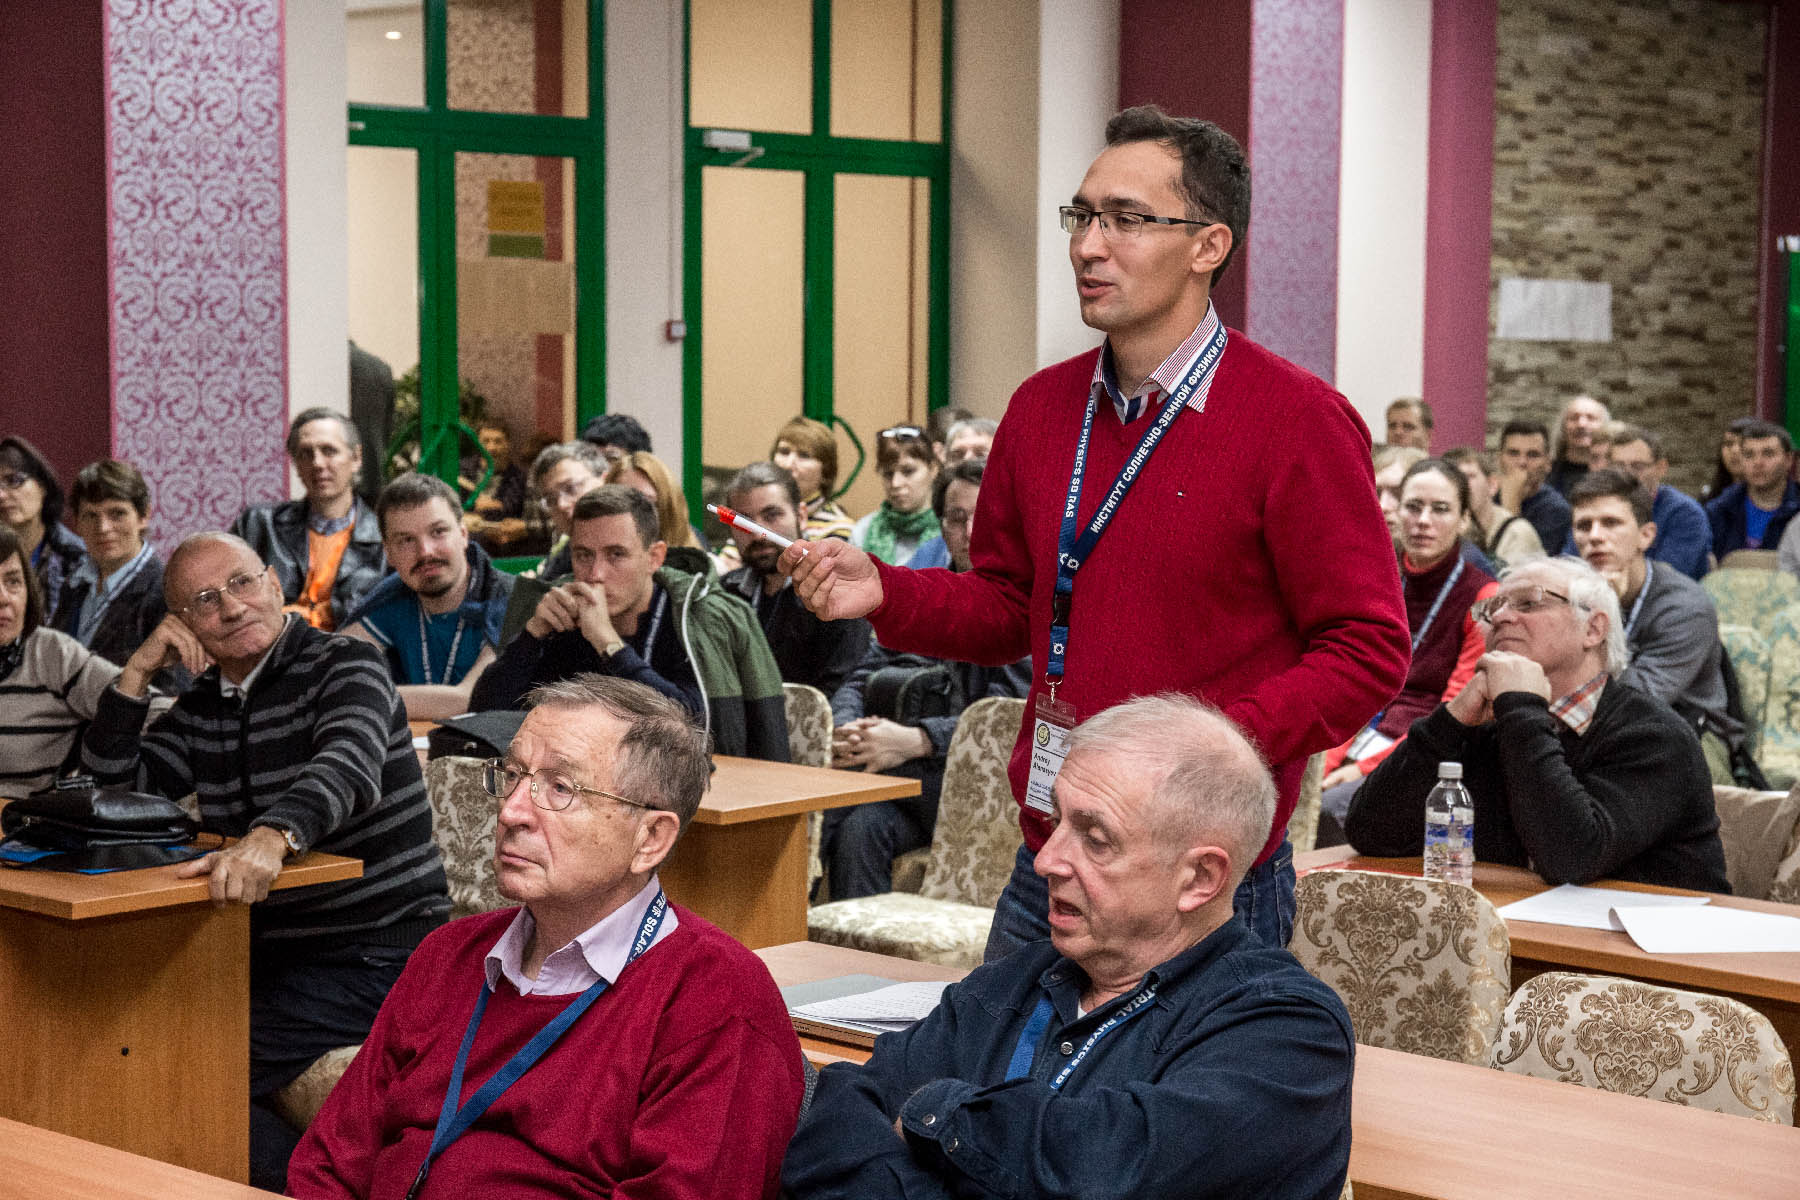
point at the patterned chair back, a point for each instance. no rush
(1778, 751)
(462, 824)
(1423, 966)
(1748, 596)
(1619, 1035)
(1751, 661)
(1303, 825)
(977, 835)
(1785, 888)
(809, 724)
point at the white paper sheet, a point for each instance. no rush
(1715, 929)
(1587, 907)
(890, 1008)
(1554, 310)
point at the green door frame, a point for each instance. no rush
(438, 133)
(821, 157)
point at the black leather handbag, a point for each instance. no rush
(909, 694)
(87, 828)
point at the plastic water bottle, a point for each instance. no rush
(1450, 828)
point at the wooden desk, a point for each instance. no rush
(125, 1000)
(741, 863)
(36, 1164)
(1424, 1128)
(1769, 983)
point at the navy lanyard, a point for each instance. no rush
(453, 1122)
(1073, 547)
(1637, 606)
(1026, 1047)
(1425, 626)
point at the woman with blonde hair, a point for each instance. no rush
(805, 449)
(643, 472)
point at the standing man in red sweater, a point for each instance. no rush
(598, 1040)
(1179, 510)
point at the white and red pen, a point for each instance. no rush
(732, 517)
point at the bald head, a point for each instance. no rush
(192, 545)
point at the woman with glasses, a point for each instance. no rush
(1440, 586)
(907, 467)
(31, 505)
(805, 449)
(49, 682)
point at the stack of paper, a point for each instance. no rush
(1660, 923)
(862, 1006)
(1587, 907)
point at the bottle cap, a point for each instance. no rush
(1449, 770)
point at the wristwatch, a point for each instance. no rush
(295, 849)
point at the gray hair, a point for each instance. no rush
(194, 541)
(662, 761)
(1206, 780)
(352, 435)
(1588, 591)
(560, 452)
(985, 426)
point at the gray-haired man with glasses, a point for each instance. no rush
(597, 1039)
(294, 740)
(1574, 773)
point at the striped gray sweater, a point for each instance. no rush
(57, 686)
(321, 747)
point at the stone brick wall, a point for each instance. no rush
(1627, 148)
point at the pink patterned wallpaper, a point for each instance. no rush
(197, 254)
(1296, 123)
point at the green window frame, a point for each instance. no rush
(438, 133)
(820, 156)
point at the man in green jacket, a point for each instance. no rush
(624, 613)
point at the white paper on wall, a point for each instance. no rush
(1555, 310)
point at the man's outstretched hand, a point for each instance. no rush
(833, 578)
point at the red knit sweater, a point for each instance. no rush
(1249, 565)
(683, 1080)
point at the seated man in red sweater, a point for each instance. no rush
(674, 1076)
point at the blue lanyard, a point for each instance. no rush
(1026, 1047)
(453, 1122)
(1073, 544)
(1637, 606)
(1443, 595)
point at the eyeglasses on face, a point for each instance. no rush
(1418, 508)
(242, 586)
(1075, 221)
(1523, 601)
(548, 789)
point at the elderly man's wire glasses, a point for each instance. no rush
(548, 789)
(1075, 221)
(1524, 601)
(242, 586)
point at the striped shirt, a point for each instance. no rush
(57, 686)
(319, 746)
(1162, 381)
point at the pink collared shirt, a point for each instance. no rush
(597, 953)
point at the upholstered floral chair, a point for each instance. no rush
(300, 1101)
(971, 856)
(1785, 887)
(1619, 1035)
(1303, 825)
(462, 824)
(809, 744)
(1751, 662)
(1747, 596)
(1423, 966)
(1778, 752)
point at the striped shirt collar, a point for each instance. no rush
(597, 953)
(1576, 710)
(326, 526)
(1165, 379)
(102, 589)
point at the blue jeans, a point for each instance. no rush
(1265, 900)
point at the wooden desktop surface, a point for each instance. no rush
(1424, 1128)
(74, 897)
(36, 1164)
(749, 789)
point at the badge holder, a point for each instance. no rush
(1052, 722)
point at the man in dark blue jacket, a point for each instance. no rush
(1153, 1047)
(1752, 515)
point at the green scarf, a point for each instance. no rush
(889, 525)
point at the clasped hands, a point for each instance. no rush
(876, 743)
(579, 606)
(1498, 672)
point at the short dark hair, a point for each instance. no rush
(903, 441)
(938, 423)
(352, 437)
(1611, 481)
(663, 760)
(1768, 429)
(1456, 456)
(551, 456)
(617, 429)
(1418, 405)
(12, 547)
(617, 500)
(1448, 471)
(17, 454)
(413, 490)
(1521, 427)
(762, 474)
(1637, 433)
(110, 479)
(1215, 175)
(969, 470)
